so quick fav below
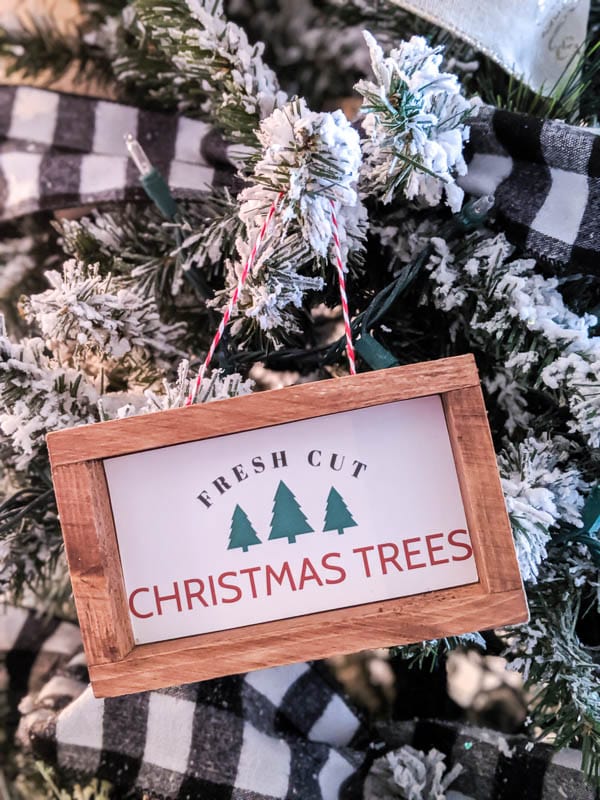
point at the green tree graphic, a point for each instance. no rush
(337, 516)
(242, 533)
(288, 520)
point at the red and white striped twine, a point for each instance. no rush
(344, 298)
(233, 300)
(242, 280)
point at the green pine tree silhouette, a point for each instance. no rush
(288, 521)
(242, 533)
(337, 515)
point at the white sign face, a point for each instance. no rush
(313, 515)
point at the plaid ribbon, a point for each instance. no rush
(61, 151)
(495, 766)
(545, 176)
(275, 734)
(268, 735)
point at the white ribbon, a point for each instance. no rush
(532, 39)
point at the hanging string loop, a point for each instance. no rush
(247, 269)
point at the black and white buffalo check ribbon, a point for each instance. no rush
(62, 150)
(495, 766)
(273, 734)
(545, 176)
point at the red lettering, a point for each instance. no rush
(286, 572)
(249, 571)
(187, 586)
(464, 545)
(410, 553)
(133, 609)
(389, 559)
(333, 567)
(431, 549)
(236, 589)
(363, 551)
(309, 573)
(213, 594)
(166, 597)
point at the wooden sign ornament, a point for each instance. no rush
(287, 525)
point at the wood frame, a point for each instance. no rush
(118, 666)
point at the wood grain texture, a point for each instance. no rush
(481, 490)
(146, 432)
(118, 667)
(392, 622)
(93, 556)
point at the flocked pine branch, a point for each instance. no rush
(504, 306)
(208, 235)
(561, 671)
(174, 394)
(96, 789)
(225, 76)
(505, 310)
(308, 162)
(543, 491)
(24, 254)
(84, 314)
(415, 125)
(106, 44)
(17, 263)
(155, 254)
(409, 774)
(102, 343)
(431, 651)
(31, 547)
(39, 395)
(39, 46)
(534, 353)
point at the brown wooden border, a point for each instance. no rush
(117, 666)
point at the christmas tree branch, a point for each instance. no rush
(223, 77)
